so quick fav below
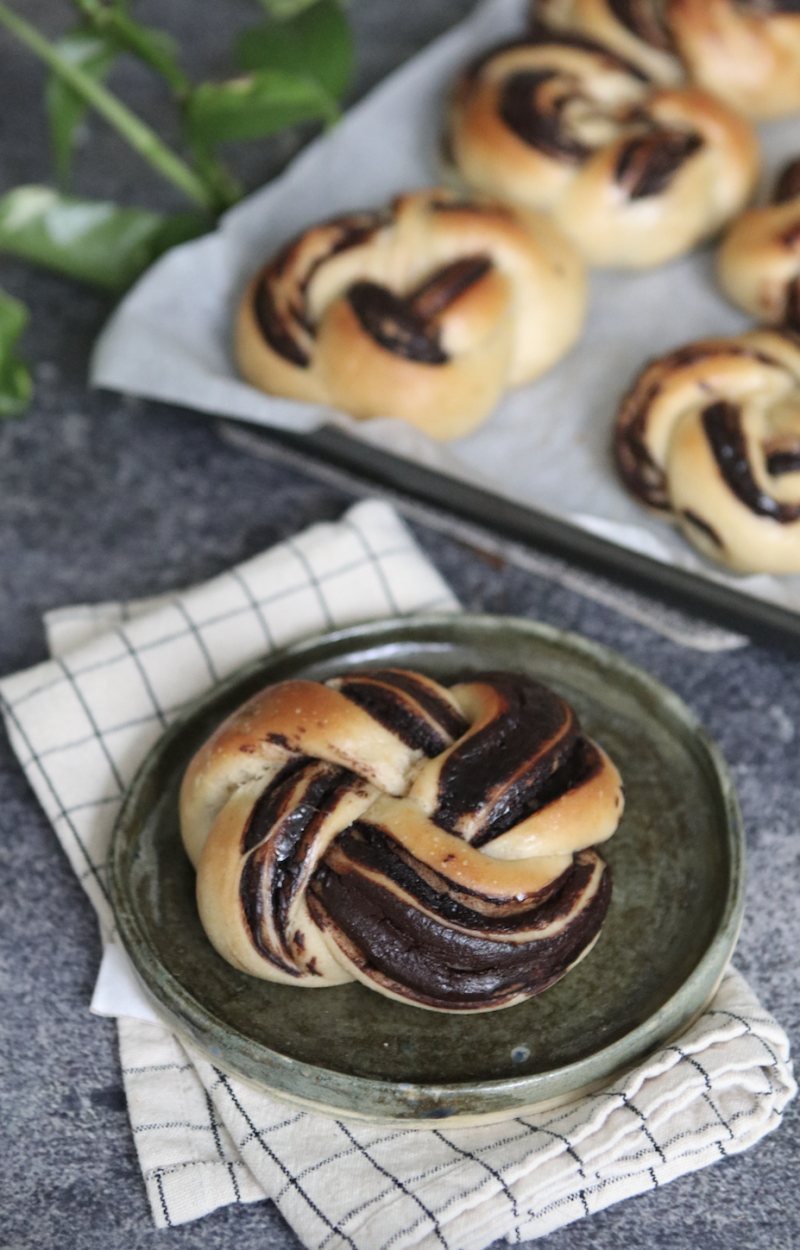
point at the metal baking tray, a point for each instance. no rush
(763, 622)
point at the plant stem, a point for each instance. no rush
(144, 140)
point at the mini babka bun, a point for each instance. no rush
(427, 310)
(634, 173)
(435, 843)
(709, 436)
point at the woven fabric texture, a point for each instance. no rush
(81, 724)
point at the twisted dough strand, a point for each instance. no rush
(427, 310)
(710, 436)
(432, 843)
(633, 173)
(759, 262)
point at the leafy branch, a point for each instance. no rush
(295, 65)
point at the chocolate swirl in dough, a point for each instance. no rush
(710, 435)
(634, 173)
(759, 262)
(433, 843)
(746, 52)
(635, 29)
(426, 311)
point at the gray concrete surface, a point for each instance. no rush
(102, 498)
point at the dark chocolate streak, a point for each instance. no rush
(272, 803)
(451, 721)
(580, 766)
(538, 121)
(647, 164)
(722, 423)
(388, 707)
(639, 472)
(788, 185)
(541, 34)
(641, 18)
(703, 526)
(374, 848)
(443, 287)
(392, 322)
(273, 326)
(444, 966)
(780, 462)
(286, 833)
(508, 757)
(278, 333)
(405, 325)
(791, 311)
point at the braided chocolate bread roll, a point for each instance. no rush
(433, 843)
(759, 261)
(428, 311)
(635, 29)
(746, 51)
(633, 173)
(709, 436)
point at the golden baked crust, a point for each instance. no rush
(635, 29)
(709, 436)
(436, 844)
(425, 311)
(746, 51)
(759, 262)
(634, 174)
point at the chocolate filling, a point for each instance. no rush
(388, 707)
(393, 323)
(581, 765)
(647, 164)
(443, 966)
(443, 287)
(374, 848)
(703, 526)
(542, 34)
(791, 312)
(535, 114)
(722, 423)
(438, 709)
(273, 325)
(286, 837)
(509, 759)
(788, 185)
(641, 475)
(643, 19)
(273, 802)
(405, 325)
(780, 462)
(278, 330)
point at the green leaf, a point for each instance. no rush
(16, 386)
(95, 54)
(92, 240)
(283, 9)
(317, 43)
(155, 47)
(256, 105)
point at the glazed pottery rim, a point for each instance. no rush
(296, 1080)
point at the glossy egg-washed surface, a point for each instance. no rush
(677, 869)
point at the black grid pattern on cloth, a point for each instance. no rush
(401, 1197)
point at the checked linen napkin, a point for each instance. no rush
(81, 724)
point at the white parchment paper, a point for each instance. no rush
(547, 444)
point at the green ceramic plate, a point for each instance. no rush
(677, 862)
